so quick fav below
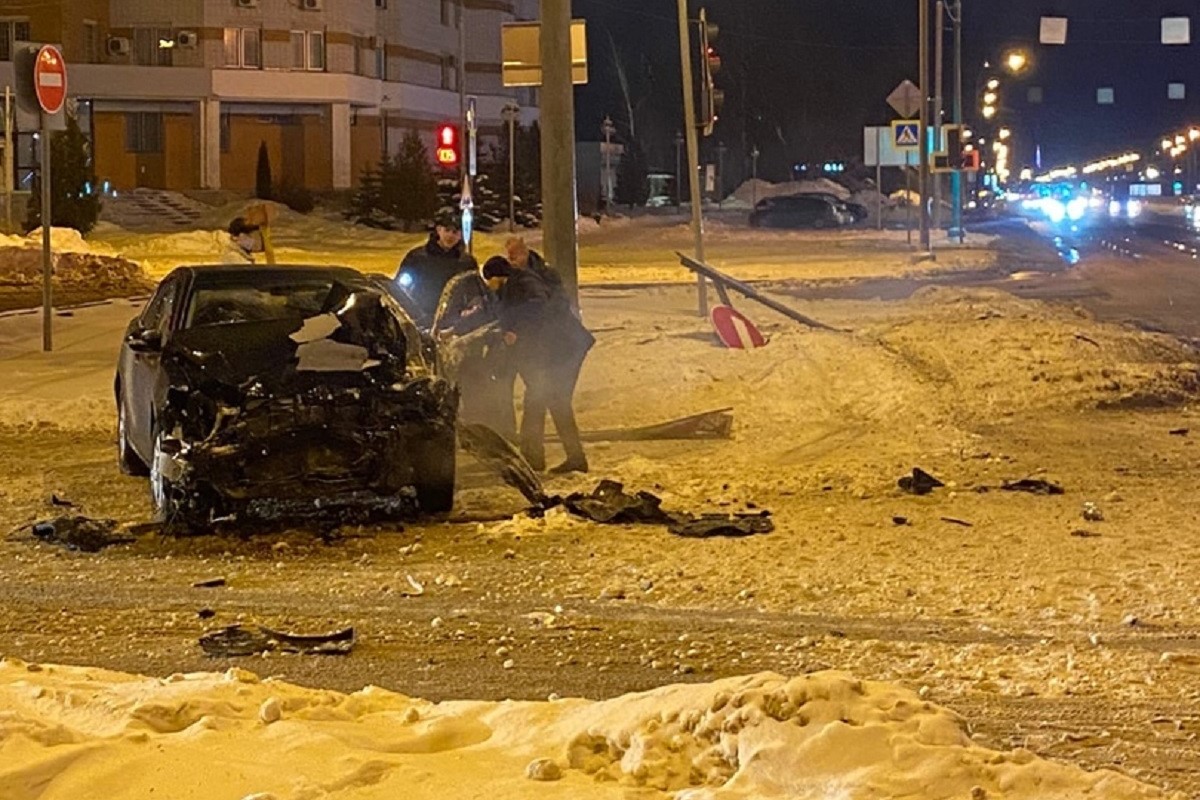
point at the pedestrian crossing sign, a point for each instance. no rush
(906, 134)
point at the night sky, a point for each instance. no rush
(802, 77)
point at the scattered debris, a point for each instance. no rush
(716, 424)
(1092, 512)
(1085, 534)
(206, 613)
(609, 504)
(956, 521)
(210, 583)
(921, 482)
(709, 525)
(725, 282)
(62, 502)
(415, 590)
(899, 520)
(494, 451)
(1087, 339)
(250, 640)
(1032, 486)
(1179, 431)
(80, 533)
(543, 769)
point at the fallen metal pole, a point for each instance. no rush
(748, 291)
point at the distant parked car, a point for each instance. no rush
(857, 211)
(799, 211)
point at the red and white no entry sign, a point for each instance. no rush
(50, 79)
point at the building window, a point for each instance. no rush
(225, 133)
(144, 132)
(12, 30)
(449, 15)
(381, 60)
(449, 73)
(243, 48)
(91, 42)
(381, 3)
(148, 49)
(308, 50)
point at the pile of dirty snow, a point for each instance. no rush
(70, 732)
(757, 189)
(76, 262)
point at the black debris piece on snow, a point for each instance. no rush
(709, 525)
(920, 482)
(498, 454)
(1032, 486)
(1179, 432)
(250, 640)
(80, 533)
(210, 583)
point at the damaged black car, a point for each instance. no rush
(247, 390)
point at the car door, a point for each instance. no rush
(142, 374)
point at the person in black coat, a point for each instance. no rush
(549, 345)
(426, 270)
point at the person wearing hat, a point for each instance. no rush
(426, 270)
(244, 240)
(549, 345)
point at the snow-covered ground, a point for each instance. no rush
(1073, 638)
(68, 733)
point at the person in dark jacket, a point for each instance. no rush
(426, 270)
(549, 344)
(520, 256)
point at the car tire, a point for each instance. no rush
(820, 224)
(434, 467)
(129, 461)
(175, 512)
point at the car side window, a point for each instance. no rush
(157, 314)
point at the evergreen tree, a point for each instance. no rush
(73, 199)
(633, 187)
(263, 188)
(409, 190)
(366, 204)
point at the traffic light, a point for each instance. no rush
(711, 97)
(960, 154)
(447, 146)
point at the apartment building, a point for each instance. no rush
(180, 94)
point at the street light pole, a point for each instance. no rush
(608, 129)
(720, 173)
(923, 177)
(956, 177)
(678, 169)
(510, 112)
(754, 177)
(938, 94)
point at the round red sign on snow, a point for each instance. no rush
(50, 79)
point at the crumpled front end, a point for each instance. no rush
(290, 419)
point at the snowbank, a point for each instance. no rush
(62, 240)
(71, 732)
(756, 188)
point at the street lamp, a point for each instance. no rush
(1005, 133)
(510, 112)
(608, 129)
(989, 112)
(1015, 61)
(993, 84)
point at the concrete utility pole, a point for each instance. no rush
(939, 69)
(956, 177)
(693, 150)
(559, 206)
(511, 111)
(923, 177)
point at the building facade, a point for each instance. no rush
(181, 94)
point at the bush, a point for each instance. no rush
(263, 188)
(297, 198)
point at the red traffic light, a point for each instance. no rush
(447, 146)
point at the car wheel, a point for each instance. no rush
(820, 223)
(129, 461)
(176, 512)
(434, 466)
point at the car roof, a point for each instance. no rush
(216, 274)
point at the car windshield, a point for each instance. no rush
(260, 302)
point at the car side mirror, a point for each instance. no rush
(145, 341)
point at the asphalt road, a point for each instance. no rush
(1143, 272)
